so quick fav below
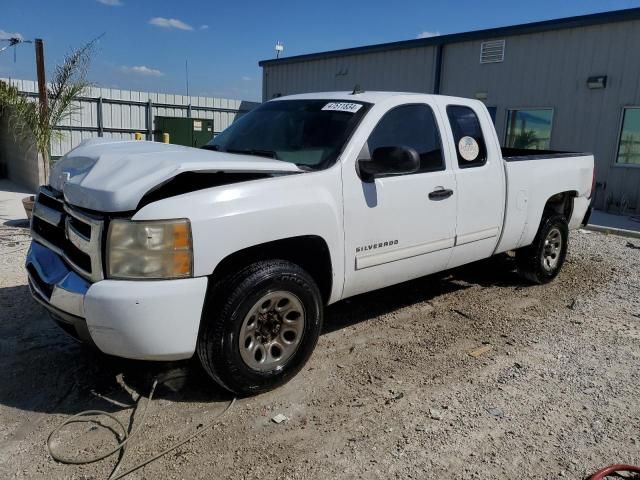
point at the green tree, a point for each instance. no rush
(526, 139)
(29, 120)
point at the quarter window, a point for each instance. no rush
(411, 126)
(629, 145)
(467, 134)
(529, 129)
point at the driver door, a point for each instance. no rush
(400, 227)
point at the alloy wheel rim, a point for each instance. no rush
(271, 331)
(552, 249)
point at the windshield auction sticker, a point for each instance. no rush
(468, 148)
(342, 107)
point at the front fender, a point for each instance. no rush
(233, 217)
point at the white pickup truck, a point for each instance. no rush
(156, 252)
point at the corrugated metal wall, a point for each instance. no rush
(550, 69)
(408, 70)
(118, 113)
(547, 69)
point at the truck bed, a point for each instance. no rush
(531, 184)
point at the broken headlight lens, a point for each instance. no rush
(158, 249)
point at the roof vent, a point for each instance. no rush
(492, 52)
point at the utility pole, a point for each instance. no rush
(186, 74)
(42, 81)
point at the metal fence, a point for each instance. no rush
(115, 113)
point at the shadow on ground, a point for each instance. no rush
(44, 370)
(21, 223)
(495, 271)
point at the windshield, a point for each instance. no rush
(309, 133)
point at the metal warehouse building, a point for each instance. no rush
(567, 84)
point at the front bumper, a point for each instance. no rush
(146, 320)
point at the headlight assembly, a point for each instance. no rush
(158, 249)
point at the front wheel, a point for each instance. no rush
(260, 326)
(541, 261)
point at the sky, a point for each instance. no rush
(146, 43)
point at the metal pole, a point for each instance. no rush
(150, 120)
(42, 81)
(186, 73)
(100, 121)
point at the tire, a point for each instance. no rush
(540, 262)
(235, 307)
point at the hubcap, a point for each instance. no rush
(271, 331)
(552, 249)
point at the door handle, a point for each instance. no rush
(440, 194)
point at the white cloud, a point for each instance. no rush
(204, 27)
(7, 35)
(246, 78)
(111, 3)
(170, 23)
(426, 34)
(142, 70)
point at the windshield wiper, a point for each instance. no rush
(215, 148)
(254, 151)
(305, 167)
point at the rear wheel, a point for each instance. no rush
(541, 261)
(260, 326)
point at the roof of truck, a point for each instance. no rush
(368, 97)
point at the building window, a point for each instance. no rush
(629, 145)
(529, 129)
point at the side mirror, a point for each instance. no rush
(389, 161)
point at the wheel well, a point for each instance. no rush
(561, 203)
(309, 252)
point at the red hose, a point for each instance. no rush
(611, 469)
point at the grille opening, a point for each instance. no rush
(492, 51)
(41, 284)
(81, 227)
(56, 237)
(50, 202)
(81, 259)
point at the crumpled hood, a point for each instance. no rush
(112, 175)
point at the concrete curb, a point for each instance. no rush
(613, 231)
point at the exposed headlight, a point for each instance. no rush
(149, 249)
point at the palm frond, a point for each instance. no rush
(67, 84)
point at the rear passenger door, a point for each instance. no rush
(480, 180)
(402, 226)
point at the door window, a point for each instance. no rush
(411, 126)
(467, 135)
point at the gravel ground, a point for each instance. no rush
(392, 390)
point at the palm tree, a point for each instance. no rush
(526, 139)
(31, 121)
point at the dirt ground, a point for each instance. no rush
(390, 392)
